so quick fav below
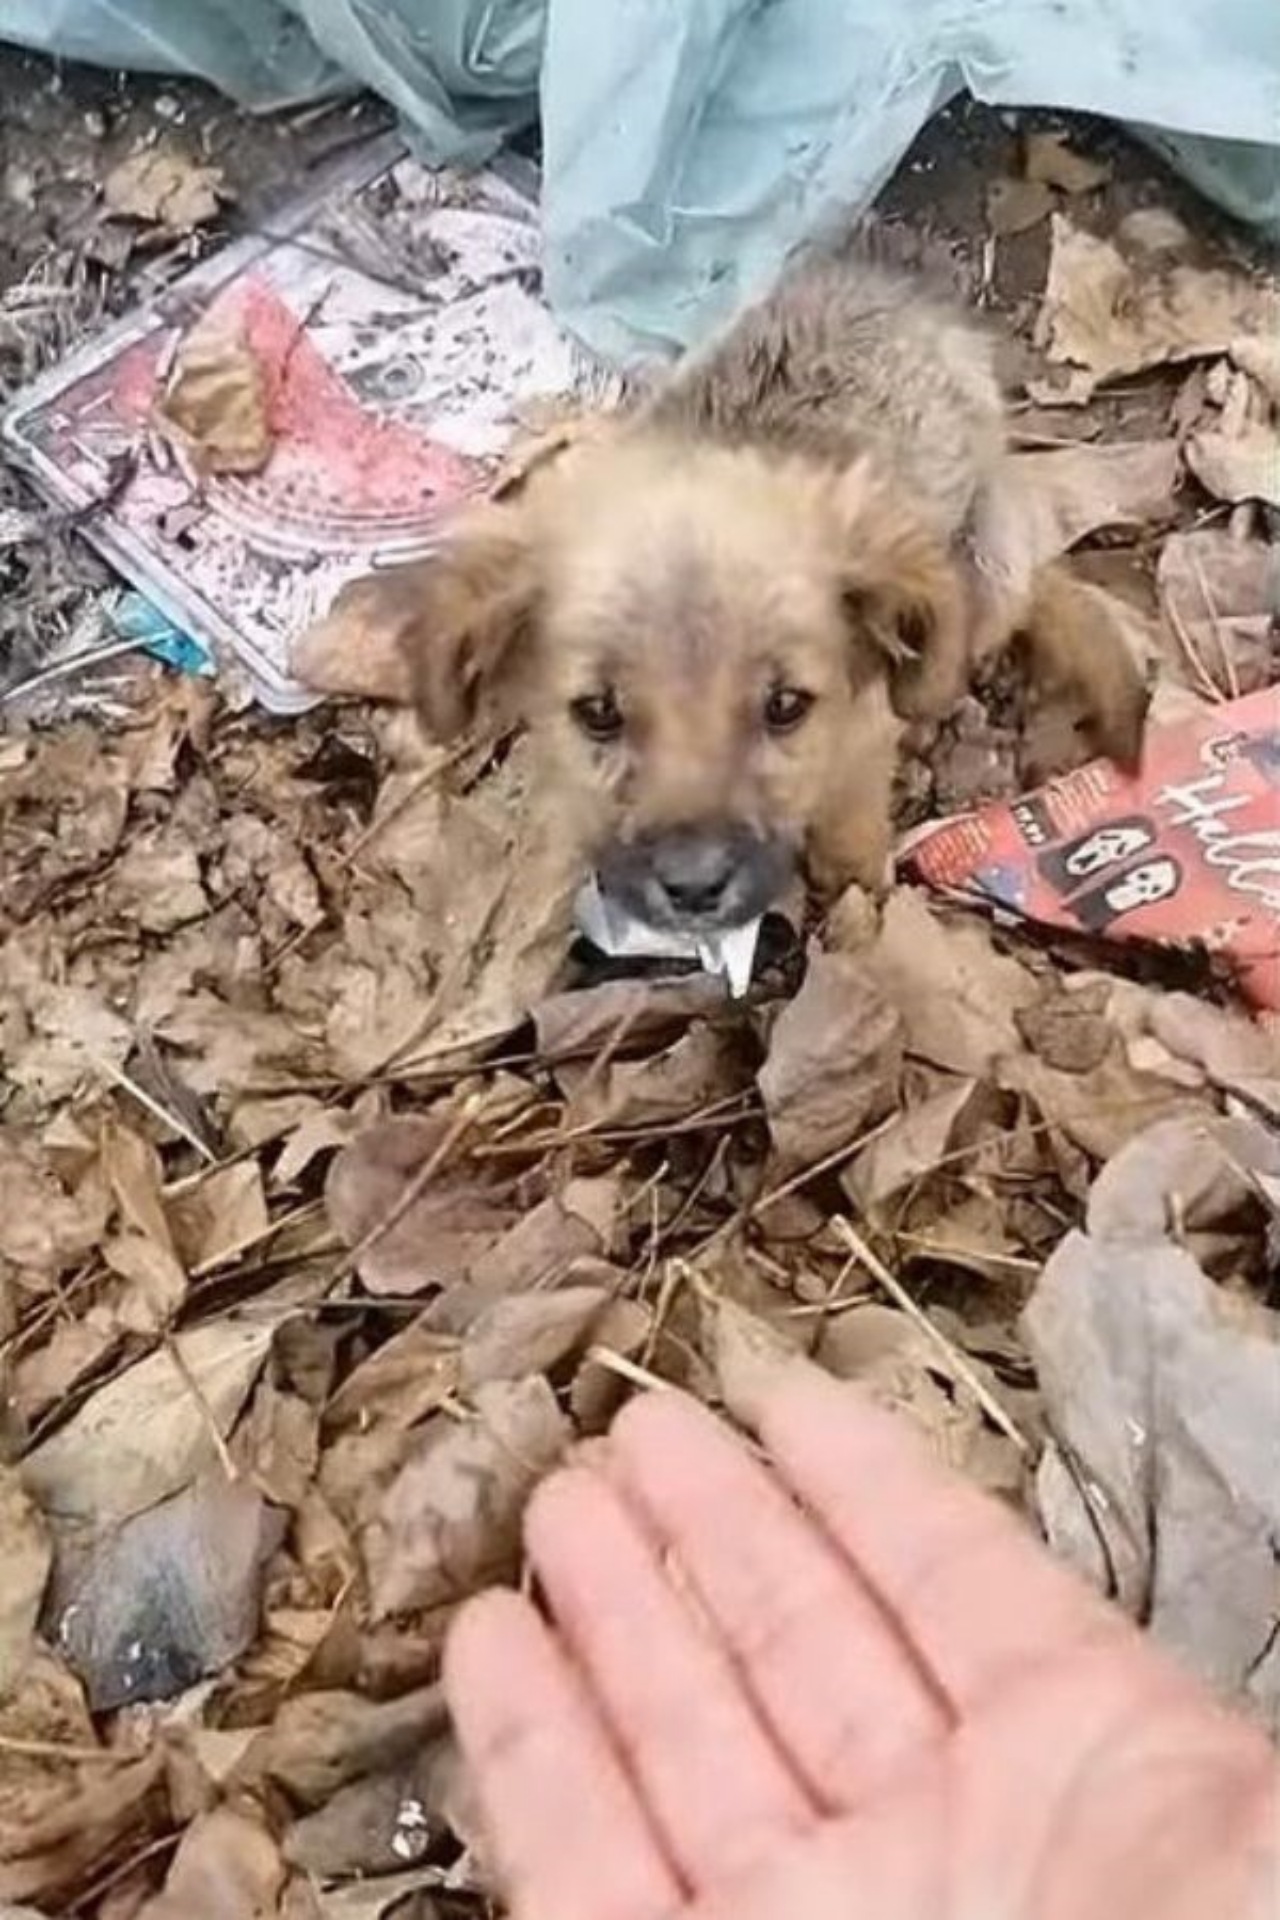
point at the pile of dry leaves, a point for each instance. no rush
(338, 1198)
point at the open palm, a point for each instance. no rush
(847, 1689)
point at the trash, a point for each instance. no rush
(347, 384)
(1185, 854)
(620, 935)
(134, 617)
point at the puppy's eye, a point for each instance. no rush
(598, 714)
(785, 708)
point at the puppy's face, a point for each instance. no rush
(698, 637)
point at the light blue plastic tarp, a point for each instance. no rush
(689, 144)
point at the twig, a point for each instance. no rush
(960, 1365)
(173, 1121)
(197, 1393)
(1210, 607)
(628, 1370)
(53, 1750)
(819, 1167)
(1208, 686)
(307, 1210)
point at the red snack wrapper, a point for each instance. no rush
(1185, 852)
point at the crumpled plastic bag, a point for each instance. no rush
(688, 148)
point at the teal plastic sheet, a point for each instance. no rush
(690, 144)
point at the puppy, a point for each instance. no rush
(717, 609)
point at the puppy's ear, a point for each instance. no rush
(469, 616)
(904, 596)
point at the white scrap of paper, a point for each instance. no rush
(618, 933)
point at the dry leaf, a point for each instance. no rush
(1221, 597)
(564, 1234)
(227, 1867)
(215, 403)
(165, 187)
(155, 1282)
(1238, 466)
(1183, 1176)
(1111, 315)
(834, 1061)
(1167, 1408)
(1069, 492)
(143, 1253)
(320, 1741)
(450, 1520)
(1102, 1109)
(911, 1146)
(26, 1555)
(623, 1016)
(703, 1069)
(168, 1597)
(1239, 1054)
(41, 1379)
(1050, 160)
(457, 1216)
(156, 881)
(1014, 206)
(748, 1354)
(148, 1433)
(957, 997)
(400, 1383)
(44, 1228)
(115, 1812)
(529, 1333)
(224, 1213)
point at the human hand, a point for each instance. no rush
(884, 1703)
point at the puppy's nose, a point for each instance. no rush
(694, 870)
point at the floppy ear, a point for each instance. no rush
(904, 596)
(468, 617)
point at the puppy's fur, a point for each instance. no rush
(747, 582)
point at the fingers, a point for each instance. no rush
(719, 1790)
(976, 1596)
(840, 1688)
(570, 1838)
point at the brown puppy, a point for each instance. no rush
(716, 613)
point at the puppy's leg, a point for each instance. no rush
(1076, 637)
(852, 836)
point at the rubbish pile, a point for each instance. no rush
(342, 1190)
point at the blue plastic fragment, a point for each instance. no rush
(137, 618)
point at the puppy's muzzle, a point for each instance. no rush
(697, 879)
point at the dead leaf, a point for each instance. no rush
(165, 187)
(147, 1433)
(42, 1378)
(1166, 1408)
(156, 881)
(1102, 1109)
(220, 1216)
(115, 1812)
(383, 1898)
(1068, 1027)
(450, 1520)
(320, 1741)
(277, 1444)
(529, 1333)
(457, 1216)
(227, 1867)
(834, 1061)
(1048, 158)
(1014, 206)
(44, 1227)
(1238, 466)
(155, 1282)
(168, 1597)
(1240, 1055)
(623, 1015)
(564, 1234)
(26, 1555)
(748, 1354)
(703, 1069)
(1069, 492)
(1182, 1176)
(215, 403)
(399, 1384)
(1221, 597)
(910, 1147)
(143, 1253)
(1109, 315)
(956, 995)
